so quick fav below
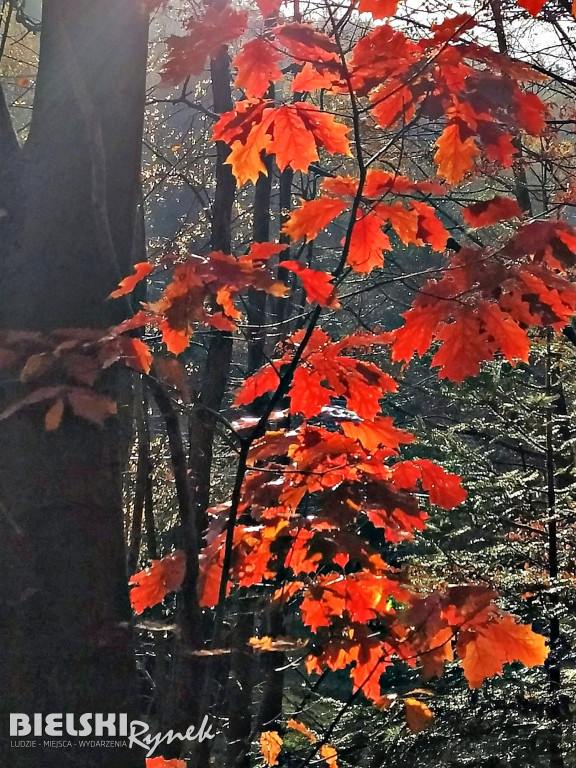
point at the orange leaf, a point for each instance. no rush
(312, 77)
(205, 38)
(530, 110)
(150, 586)
(444, 489)
(416, 334)
(53, 417)
(330, 755)
(393, 102)
(454, 157)
(380, 9)
(532, 6)
(141, 270)
(176, 339)
(307, 395)
(295, 725)
(317, 284)
(418, 715)
(402, 221)
(368, 243)
(271, 745)
(257, 65)
(430, 228)
(327, 132)
(485, 649)
(464, 347)
(312, 217)
(510, 338)
(376, 434)
(293, 142)
(265, 380)
(246, 157)
(269, 644)
(488, 212)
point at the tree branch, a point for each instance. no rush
(9, 146)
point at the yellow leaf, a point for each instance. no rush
(53, 417)
(418, 715)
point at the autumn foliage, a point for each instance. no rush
(331, 475)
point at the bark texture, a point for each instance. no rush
(65, 621)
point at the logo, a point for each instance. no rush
(135, 733)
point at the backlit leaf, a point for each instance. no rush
(163, 762)
(150, 586)
(271, 746)
(488, 212)
(318, 285)
(141, 270)
(485, 649)
(418, 715)
(312, 217)
(368, 243)
(454, 156)
(257, 65)
(380, 9)
(204, 39)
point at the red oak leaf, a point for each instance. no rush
(312, 217)
(368, 243)
(150, 586)
(317, 284)
(532, 6)
(257, 65)
(454, 156)
(488, 212)
(530, 110)
(305, 43)
(464, 347)
(141, 270)
(205, 38)
(485, 649)
(380, 9)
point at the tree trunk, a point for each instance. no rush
(65, 621)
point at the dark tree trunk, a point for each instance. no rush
(65, 621)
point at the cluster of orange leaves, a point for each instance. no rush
(311, 491)
(308, 493)
(487, 299)
(202, 290)
(271, 744)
